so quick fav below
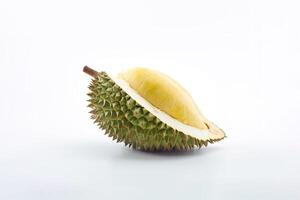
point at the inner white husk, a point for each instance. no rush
(164, 117)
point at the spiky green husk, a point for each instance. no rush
(126, 121)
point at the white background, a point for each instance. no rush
(239, 59)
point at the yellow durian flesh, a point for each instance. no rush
(165, 94)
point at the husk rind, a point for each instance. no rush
(123, 119)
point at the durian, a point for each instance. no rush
(148, 111)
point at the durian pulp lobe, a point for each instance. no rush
(165, 94)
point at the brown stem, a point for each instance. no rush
(90, 71)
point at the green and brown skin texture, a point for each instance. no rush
(126, 121)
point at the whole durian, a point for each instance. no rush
(149, 111)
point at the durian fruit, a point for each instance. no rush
(149, 111)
